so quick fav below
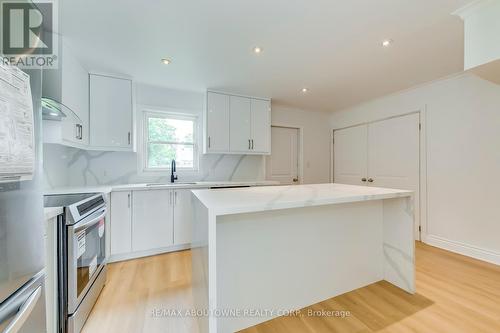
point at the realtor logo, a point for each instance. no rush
(27, 33)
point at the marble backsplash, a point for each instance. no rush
(66, 166)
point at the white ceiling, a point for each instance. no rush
(330, 46)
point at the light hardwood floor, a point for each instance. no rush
(454, 294)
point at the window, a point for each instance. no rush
(168, 137)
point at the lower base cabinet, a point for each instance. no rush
(152, 220)
(121, 223)
(146, 222)
(183, 214)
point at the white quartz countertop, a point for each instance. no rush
(257, 199)
(51, 212)
(156, 186)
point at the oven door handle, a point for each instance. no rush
(90, 220)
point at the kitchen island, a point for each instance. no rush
(259, 253)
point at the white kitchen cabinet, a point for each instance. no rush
(121, 223)
(217, 123)
(183, 214)
(111, 113)
(152, 220)
(261, 126)
(68, 85)
(240, 126)
(237, 124)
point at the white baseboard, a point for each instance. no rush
(147, 253)
(464, 249)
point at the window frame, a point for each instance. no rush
(146, 114)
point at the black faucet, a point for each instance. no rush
(173, 173)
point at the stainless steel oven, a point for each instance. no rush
(82, 262)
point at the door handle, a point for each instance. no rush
(370, 180)
(24, 312)
(363, 179)
(295, 180)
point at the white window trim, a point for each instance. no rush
(171, 114)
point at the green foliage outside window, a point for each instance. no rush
(168, 139)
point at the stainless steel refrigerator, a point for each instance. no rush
(22, 289)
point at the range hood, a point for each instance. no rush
(54, 110)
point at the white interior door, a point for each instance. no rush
(394, 156)
(351, 155)
(283, 163)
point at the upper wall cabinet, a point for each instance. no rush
(237, 124)
(111, 113)
(66, 90)
(482, 28)
(217, 123)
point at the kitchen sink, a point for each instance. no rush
(171, 184)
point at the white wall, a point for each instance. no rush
(463, 159)
(315, 140)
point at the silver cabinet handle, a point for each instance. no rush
(175, 198)
(249, 144)
(128, 200)
(24, 312)
(129, 137)
(170, 198)
(208, 142)
(370, 180)
(252, 144)
(79, 132)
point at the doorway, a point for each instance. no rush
(283, 164)
(384, 153)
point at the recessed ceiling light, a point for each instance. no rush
(257, 50)
(304, 90)
(386, 42)
(166, 61)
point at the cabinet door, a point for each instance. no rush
(240, 124)
(261, 126)
(75, 95)
(110, 113)
(182, 217)
(70, 130)
(217, 122)
(350, 155)
(121, 223)
(152, 220)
